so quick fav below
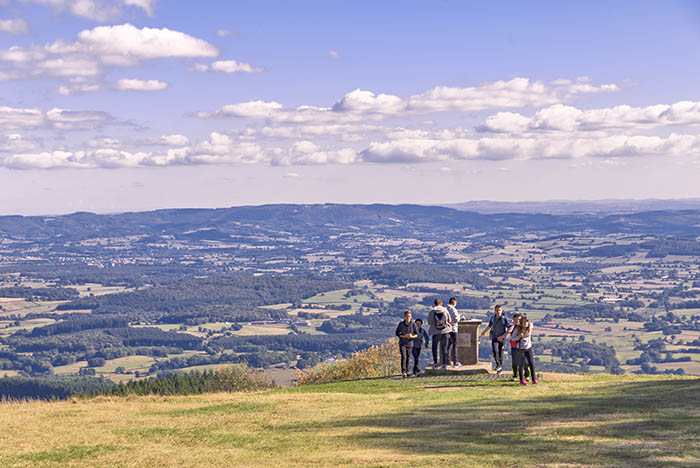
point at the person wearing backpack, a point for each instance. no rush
(439, 330)
(407, 332)
(499, 325)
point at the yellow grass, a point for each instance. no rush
(580, 421)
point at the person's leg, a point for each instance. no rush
(494, 351)
(453, 348)
(521, 360)
(514, 361)
(531, 364)
(499, 355)
(416, 359)
(443, 349)
(405, 356)
(435, 340)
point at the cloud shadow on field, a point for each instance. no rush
(629, 424)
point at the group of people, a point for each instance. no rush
(442, 329)
(443, 323)
(518, 333)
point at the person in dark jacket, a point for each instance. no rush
(422, 337)
(499, 325)
(406, 331)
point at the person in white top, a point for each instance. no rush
(455, 317)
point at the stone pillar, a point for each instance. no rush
(468, 342)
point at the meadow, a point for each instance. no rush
(566, 420)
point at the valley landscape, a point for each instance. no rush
(289, 286)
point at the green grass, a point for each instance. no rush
(594, 421)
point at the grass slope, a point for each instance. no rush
(596, 420)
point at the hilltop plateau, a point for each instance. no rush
(566, 420)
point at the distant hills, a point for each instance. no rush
(577, 206)
(321, 221)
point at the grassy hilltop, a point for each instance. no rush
(567, 420)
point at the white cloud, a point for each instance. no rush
(146, 5)
(71, 120)
(223, 32)
(69, 90)
(174, 140)
(21, 55)
(98, 10)
(17, 143)
(368, 102)
(360, 105)
(569, 119)
(127, 84)
(11, 118)
(14, 26)
(334, 53)
(67, 67)
(543, 147)
(227, 66)
(127, 45)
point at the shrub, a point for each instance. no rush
(376, 361)
(239, 378)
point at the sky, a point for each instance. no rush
(132, 105)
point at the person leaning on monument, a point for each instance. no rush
(498, 325)
(439, 330)
(455, 317)
(406, 331)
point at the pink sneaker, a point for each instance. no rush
(535, 381)
(522, 382)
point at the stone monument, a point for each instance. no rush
(468, 342)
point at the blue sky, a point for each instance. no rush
(143, 104)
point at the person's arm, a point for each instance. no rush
(488, 327)
(507, 327)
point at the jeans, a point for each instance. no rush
(515, 358)
(497, 348)
(440, 341)
(405, 357)
(416, 357)
(452, 347)
(526, 359)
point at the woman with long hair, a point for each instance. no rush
(525, 357)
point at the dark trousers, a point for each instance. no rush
(416, 357)
(405, 357)
(515, 358)
(452, 347)
(497, 348)
(440, 341)
(525, 359)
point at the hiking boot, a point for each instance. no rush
(457, 364)
(443, 367)
(522, 382)
(499, 371)
(535, 381)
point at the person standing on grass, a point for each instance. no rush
(455, 317)
(439, 330)
(418, 345)
(498, 325)
(514, 332)
(525, 357)
(407, 332)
